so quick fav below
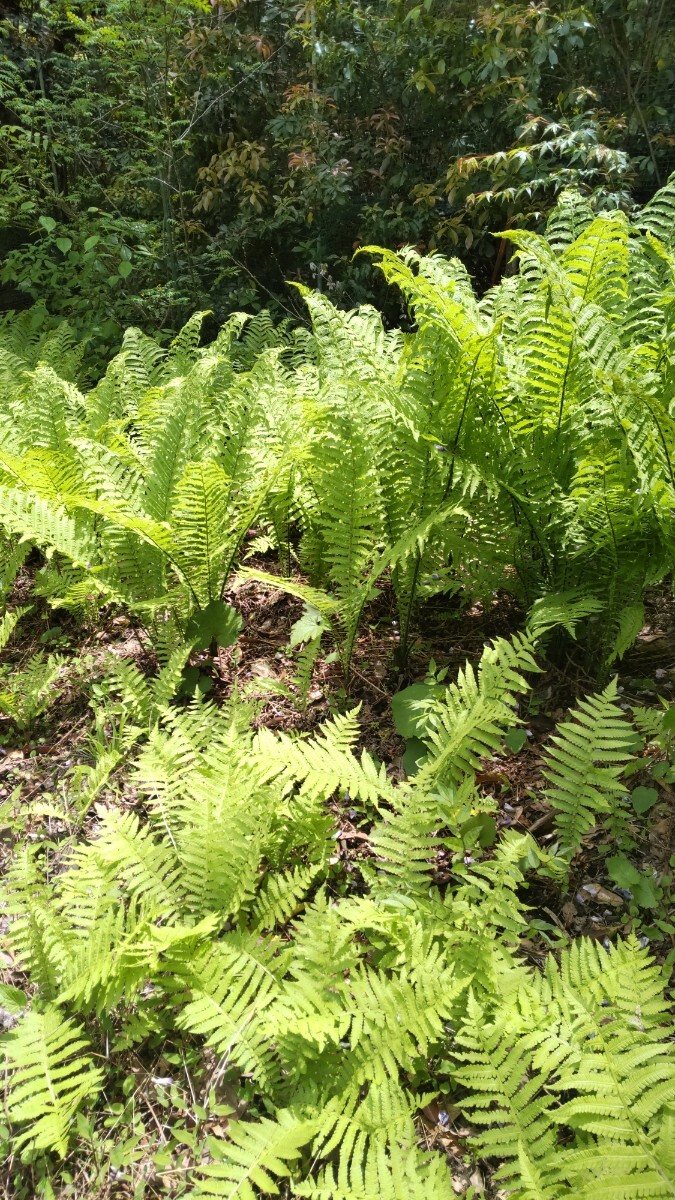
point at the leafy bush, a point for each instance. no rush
(126, 200)
(145, 486)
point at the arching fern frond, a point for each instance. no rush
(467, 722)
(508, 1099)
(51, 1074)
(255, 1154)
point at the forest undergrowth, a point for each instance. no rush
(338, 741)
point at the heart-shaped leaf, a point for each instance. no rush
(193, 680)
(12, 999)
(218, 622)
(415, 753)
(310, 626)
(480, 828)
(621, 871)
(407, 717)
(644, 889)
(515, 740)
(643, 798)
(647, 893)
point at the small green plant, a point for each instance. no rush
(306, 634)
(27, 692)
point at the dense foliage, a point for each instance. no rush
(519, 443)
(523, 442)
(154, 153)
(217, 915)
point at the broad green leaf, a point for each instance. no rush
(310, 626)
(668, 723)
(219, 622)
(643, 798)
(515, 740)
(407, 717)
(12, 999)
(415, 752)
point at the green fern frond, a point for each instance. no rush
(326, 762)
(584, 762)
(199, 520)
(281, 895)
(570, 217)
(563, 610)
(597, 263)
(29, 691)
(228, 990)
(658, 214)
(8, 624)
(402, 1171)
(146, 700)
(48, 525)
(623, 1072)
(254, 1156)
(51, 1074)
(580, 1033)
(185, 346)
(396, 1019)
(508, 1099)
(467, 723)
(39, 937)
(146, 865)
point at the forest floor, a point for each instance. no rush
(36, 766)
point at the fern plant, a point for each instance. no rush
(26, 693)
(149, 502)
(594, 1030)
(584, 763)
(543, 412)
(194, 900)
(52, 1073)
(213, 911)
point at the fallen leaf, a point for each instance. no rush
(492, 777)
(262, 669)
(602, 895)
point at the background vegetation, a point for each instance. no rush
(158, 157)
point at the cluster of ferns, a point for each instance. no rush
(522, 442)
